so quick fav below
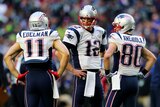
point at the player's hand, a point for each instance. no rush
(106, 74)
(140, 75)
(55, 74)
(79, 73)
(143, 73)
(21, 78)
(109, 76)
(102, 73)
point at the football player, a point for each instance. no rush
(127, 50)
(35, 44)
(87, 45)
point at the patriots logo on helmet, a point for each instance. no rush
(121, 16)
(93, 8)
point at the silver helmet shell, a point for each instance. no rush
(125, 22)
(90, 13)
(38, 21)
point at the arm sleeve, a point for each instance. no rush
(55, 35)
(70, 36)
(104, 38)
(69, 46)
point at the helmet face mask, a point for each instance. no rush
(38, 21)
(116, 27)
(123, 23)
(87, 17)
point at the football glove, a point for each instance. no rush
(140, 75)
(21, 77)
(54, 73)
(143, 70)
(107, 72)
(143, 73)
(104, 72)
(109, 76)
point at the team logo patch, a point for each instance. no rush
(70, 36)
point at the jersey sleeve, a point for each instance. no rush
(114, 38)
(71, 36)
(144, 42)
(18, 37)
(54, 34)
(104, 38)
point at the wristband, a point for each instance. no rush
(21, 77)
(143, 70)
(55, 73)
(107, 71)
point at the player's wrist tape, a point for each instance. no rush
(143, 70)
(107, 71)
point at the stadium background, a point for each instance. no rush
(14, 16)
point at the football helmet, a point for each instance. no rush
(38, 21)
(87, 17)
(123, 22)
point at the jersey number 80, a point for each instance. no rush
(131, 55)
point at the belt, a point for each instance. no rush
(93, 70)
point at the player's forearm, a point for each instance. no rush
(106, 63)
(9, 62)
(150, 63)
(70, 68)
(150, 58)
(63, 64)
(102, 54)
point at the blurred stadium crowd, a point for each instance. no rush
(14, 16)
